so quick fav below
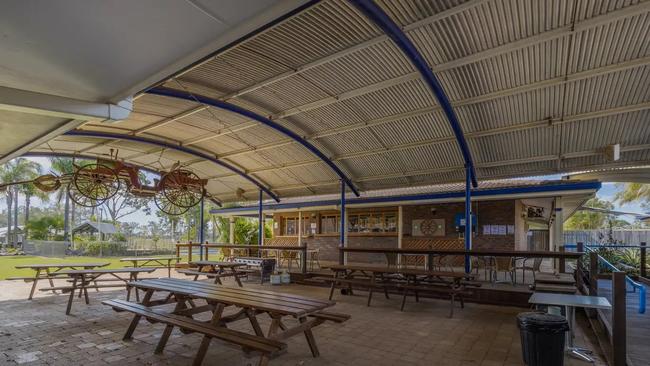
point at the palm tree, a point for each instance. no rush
(634, 192)
(16, 170)
(29, 190)
(63, 166)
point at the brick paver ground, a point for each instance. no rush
(39, 333)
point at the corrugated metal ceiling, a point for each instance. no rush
(539, 88)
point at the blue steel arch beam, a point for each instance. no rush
(375, 13)
(171, 146)
(180, 94)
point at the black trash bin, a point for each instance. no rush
(542, 338)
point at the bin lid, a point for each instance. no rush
(542, 322)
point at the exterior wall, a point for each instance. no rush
(487, 213)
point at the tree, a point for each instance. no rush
(29, 191)
(634, 192)
(589, 220)
(63, 166)
(16, 170)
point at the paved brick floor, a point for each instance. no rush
(39, 333)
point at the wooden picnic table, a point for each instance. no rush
(156, 262)
(82, 278)
(407, 279)
(216, 270)
(51, 272)
(249, 302)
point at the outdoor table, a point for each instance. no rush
(51, 271)
(249, 302)
(555, 278)
(382, 276)
(152, 262)
(220, 268)
(82, 277)
(570, 302)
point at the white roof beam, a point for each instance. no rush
(56, 106)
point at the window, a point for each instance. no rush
(290, 226)
(376, 222)
(329, 224)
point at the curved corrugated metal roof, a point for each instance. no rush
(539, 88)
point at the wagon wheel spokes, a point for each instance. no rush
(96, 182)
(183, 188)
(81, 199)
(168, 207)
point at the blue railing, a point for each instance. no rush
(635, 285)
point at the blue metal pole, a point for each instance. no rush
(377, 15)
(202, 226)
(468, 217)
(260, 217)
(343, 225)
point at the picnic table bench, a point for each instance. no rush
(50, 272)
(82, 279)
(155, 262)
(216, 270)
(249, 302)
(452, 284)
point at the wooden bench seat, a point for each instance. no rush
(333, 317)
(26, 279)
(248, 342)
(562, 289)
(69, 288)
(452, 292)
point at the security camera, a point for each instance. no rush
(433, 211)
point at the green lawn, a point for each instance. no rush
(7, 263)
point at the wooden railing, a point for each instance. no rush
(190, 251)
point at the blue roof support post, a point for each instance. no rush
(180, 94)
(260, 217)
(375, 13)
(202, 226)
(343, 225)
(468, 218)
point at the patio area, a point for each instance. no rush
(38, 332)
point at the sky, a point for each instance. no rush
(607, 193)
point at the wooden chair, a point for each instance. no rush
(506, 265)
(537, 263)
(313, 258)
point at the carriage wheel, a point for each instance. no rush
(96, 182)
(167, 206)
(183, 188)
(81, 199)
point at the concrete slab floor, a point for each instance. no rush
(38, 332)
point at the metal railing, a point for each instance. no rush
(635, 285)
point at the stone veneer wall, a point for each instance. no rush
(487, 213)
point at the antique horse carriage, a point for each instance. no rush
(92, 184)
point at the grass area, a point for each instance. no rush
(8, 263)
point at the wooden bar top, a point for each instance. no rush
(397, 270)
(474, 252)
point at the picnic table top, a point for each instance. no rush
(131, 259)
(405, 271)
(73, 272)
(218, 263)
(61, 265)
(268, 301)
